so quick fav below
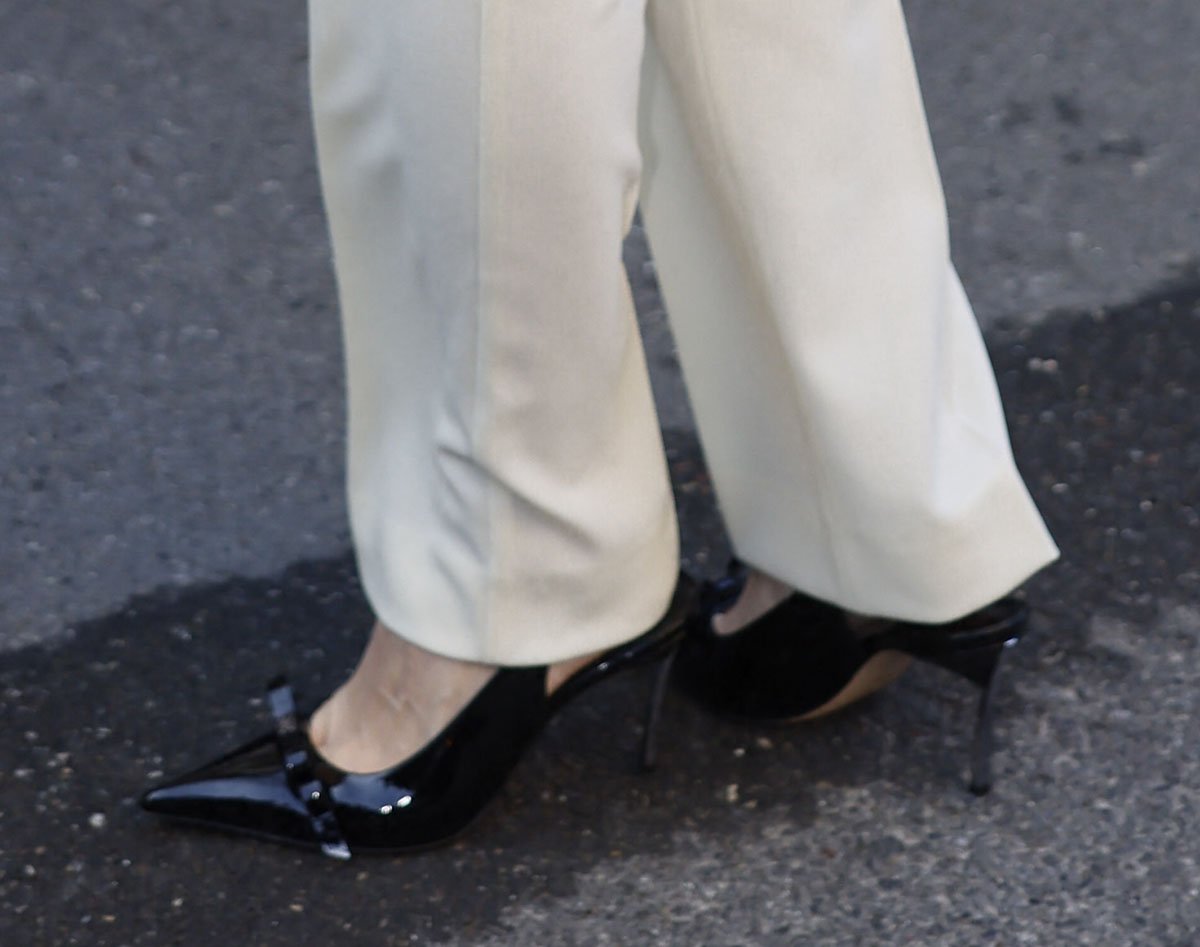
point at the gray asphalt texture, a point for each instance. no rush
(172, 529)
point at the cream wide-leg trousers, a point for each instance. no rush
(481, 161)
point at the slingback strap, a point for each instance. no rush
(297, 765)
(718, 595)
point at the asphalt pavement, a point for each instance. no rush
(172, 529)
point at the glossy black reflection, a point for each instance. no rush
(803, 654)
(279, 787)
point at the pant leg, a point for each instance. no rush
(845, 399)
(479, 162)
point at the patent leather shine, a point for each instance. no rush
(803, 653)
(427, 799)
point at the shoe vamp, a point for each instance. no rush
(243, 786)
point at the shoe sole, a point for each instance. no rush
(880, 670)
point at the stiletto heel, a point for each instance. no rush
(802, 660)
(984, 741)
(279, 787)
(973, 648)
(980, 666)
(658, 691)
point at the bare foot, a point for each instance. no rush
(398, 698)
(762, 592)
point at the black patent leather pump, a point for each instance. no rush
(803, 659)
(280, 788)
